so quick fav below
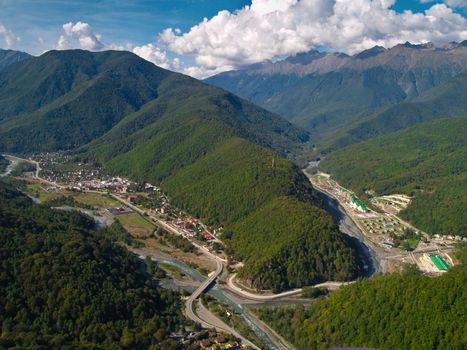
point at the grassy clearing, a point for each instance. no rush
(97, 200)
(93, 199)
(136, 224)
(36, 190)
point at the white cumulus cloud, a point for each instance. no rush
(153, 54)
(8, 37)
(81, 35)
(269, 29)
(451, 3)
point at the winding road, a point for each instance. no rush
(203, 322)
(270, 297)
(189, 303)
(208, 319)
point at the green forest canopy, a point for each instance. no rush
(3, 163)
(390, 312)
(210, 150)
(228, 180)
(66, 285)
(427, 161)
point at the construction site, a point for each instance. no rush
(396, 241)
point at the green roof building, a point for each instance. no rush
(439, 262)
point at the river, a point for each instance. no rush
(218, 294)
(348, 227)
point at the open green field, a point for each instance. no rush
(136, 224)
(96, 199)
(37, 190)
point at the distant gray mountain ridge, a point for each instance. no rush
(329, 92)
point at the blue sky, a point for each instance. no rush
(224, 41)
(137, 21)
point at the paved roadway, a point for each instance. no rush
(211, 279)
(269, 297)
(189, 303)
(204, 323)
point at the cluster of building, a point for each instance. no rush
(163, 200)
(208, 340)
(392, 204)
(119, 210)
(216, 341)
(114, 184)
(191, 227)
(53, 169)
(341, 194)
(354, 202)
(57, 157)
(450, 237)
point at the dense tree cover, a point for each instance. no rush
(178, 242)
(394, 311)
(68, 201)
(288, 244)
(427, 161)
(117, 233)
(211, 151)
(23, 167)
(62, 99)
(264, 201)
(65, 99)
(66, 286)
(445, 100)
(3, 163)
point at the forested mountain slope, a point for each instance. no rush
(202, 156)
(215, 154)
(449, 99)
(64, 285)
(8, 57)
(388, 312)
(326, 92)
(427, 161)
(65, 99)
(45, 102)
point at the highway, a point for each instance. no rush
(189, 303)
(204, 323)
(270, 297)
(208, 319)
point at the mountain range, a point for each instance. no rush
(46, 101)
(330, 94)
(224, 159)
(218, 156)
(8, 57)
